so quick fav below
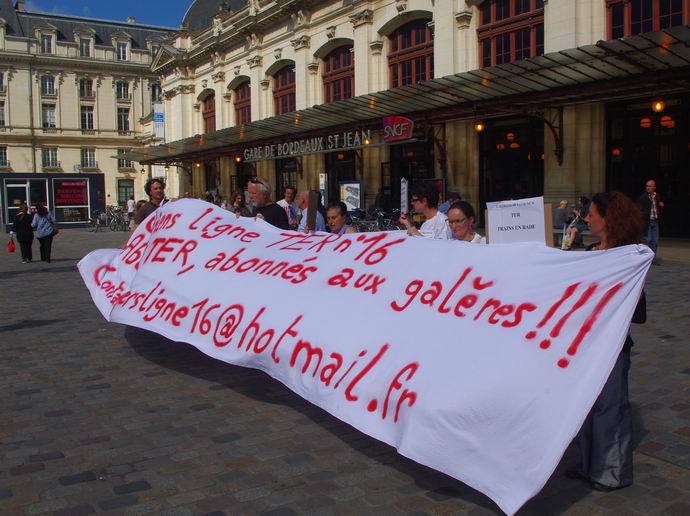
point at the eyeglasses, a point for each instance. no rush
(457, 221)
(258, 181)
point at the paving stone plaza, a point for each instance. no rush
(98, 417)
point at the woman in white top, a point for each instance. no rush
(424, 199)
(461, 219)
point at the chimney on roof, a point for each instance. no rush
(19, 5)
(131, 19)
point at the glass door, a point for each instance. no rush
(16, 194)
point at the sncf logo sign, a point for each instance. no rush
(397, 128)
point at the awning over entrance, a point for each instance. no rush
(656, 63)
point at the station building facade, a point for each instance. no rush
(74, 95)
(239, 62)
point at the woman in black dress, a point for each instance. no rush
(25, 235)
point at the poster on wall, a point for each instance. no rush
(71, 200)
(351, 194)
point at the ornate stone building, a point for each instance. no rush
(564, 102)
(73, 92)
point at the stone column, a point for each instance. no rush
(256, 78)
(366, 78)
(302, 73)
(573, 23)
(219, 88)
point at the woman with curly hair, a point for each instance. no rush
(604, 440)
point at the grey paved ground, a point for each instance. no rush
(97, 417)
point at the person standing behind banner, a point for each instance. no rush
(289, 204)
(604, 441)
(336, 215)
(424, 199)
(304, 207)
(260, 195)
(25, 234)
(155, 189)
(131, 207)
(461, 219)
(44, 225)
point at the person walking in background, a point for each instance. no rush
(44, 225)
(131, 207)
(651, 206)
(289, 204)
(25, 234)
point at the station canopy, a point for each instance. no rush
(646, 65)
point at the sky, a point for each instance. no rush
(167, 13)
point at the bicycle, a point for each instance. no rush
(119, 222)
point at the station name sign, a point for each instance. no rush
(329, 143)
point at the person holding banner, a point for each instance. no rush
(260, 195)
(461, 219)
(605, 438)
(424, 199)
(336, 216)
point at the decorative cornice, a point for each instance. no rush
(196, 106)
(218, 77)
(401, 6)
(463, 18)
(236, 69)
(204, 83)
(186, 88)
(265, 83)
(300, 19)
(278, 53)
(330, 31)
(300, 42)
(254, 61)
(362, 18)
(313, 67)
(254, 40)
(376, 47)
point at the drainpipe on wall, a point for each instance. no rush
(31, 115)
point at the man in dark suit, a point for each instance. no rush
(651, 206)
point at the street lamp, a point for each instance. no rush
(143, 171)
(479, 126)
(658, 106)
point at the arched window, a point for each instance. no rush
(284, 90)
(338, 74)
(411, 55)
(630, 17)
(209, 113)
(243, 103)
(510, 30)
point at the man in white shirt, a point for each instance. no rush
(424, 199)
(289, 204)
(131, 208)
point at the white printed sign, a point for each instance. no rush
(441, 326)
(519, 220)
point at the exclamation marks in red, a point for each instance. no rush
(587, 326)
(546, 342)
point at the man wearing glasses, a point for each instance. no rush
(260, 194)
(424, 199)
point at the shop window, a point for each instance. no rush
(284, 90)
(338, 74)
(630, 17)
(86, 118)
(123, 120)
(510, 30)
(209, 113)
(411, 55)
(243, 103)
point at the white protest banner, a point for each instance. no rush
(519, 220)
(479, 361)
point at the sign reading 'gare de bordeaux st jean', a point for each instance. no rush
(395, 128)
